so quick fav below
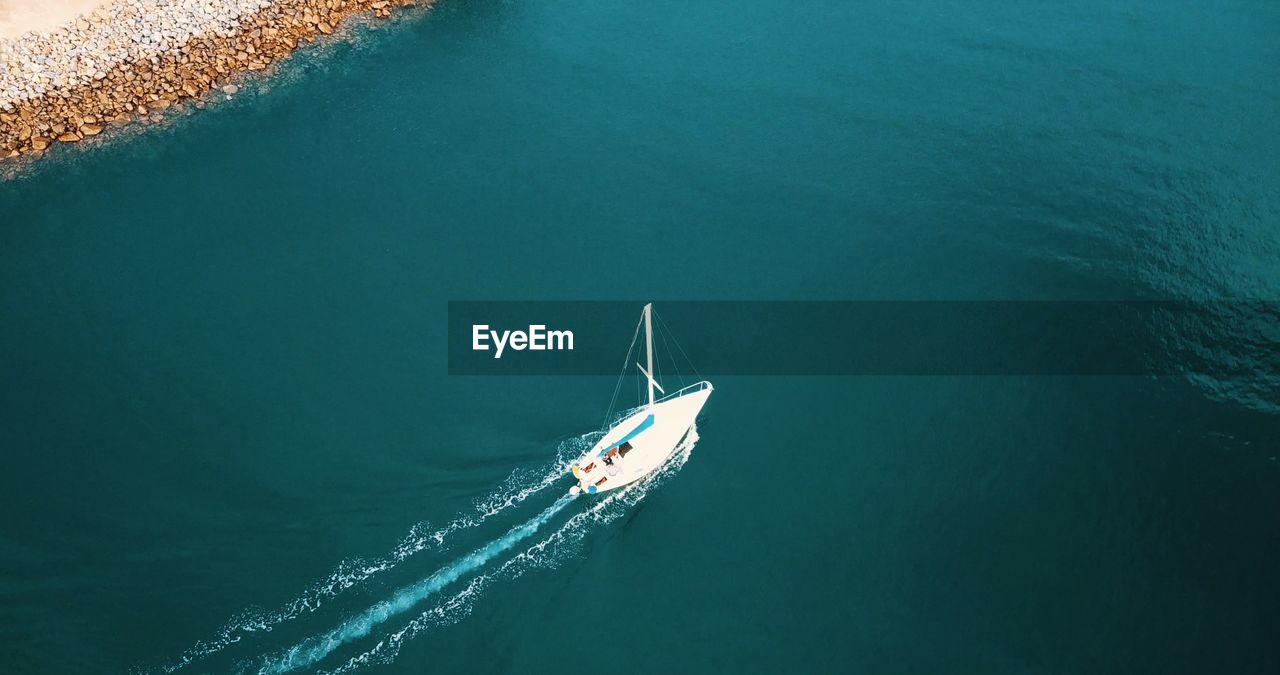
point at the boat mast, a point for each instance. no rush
(648, 347)
(647, 369)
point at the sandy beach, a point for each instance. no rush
(20, 16)
(66, 75)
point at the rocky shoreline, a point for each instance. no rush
(130, 60)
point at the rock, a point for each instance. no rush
(143, 56)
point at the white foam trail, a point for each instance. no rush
(312, 650)
(545, 553)
(519, 486)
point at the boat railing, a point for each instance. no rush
(697, 386)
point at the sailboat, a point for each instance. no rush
(640, 443)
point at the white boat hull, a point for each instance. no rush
(640, 443)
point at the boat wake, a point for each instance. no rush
(547, 553)
(518, 487)
(312, 650)
(467, 571)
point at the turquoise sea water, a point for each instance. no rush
(227, 429)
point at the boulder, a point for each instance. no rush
(143, 56)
